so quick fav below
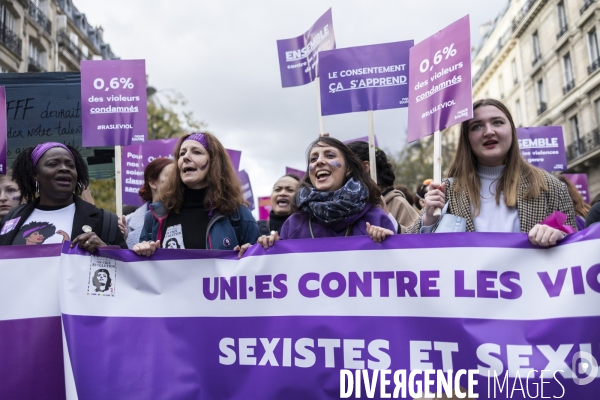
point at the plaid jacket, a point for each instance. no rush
(531, 211)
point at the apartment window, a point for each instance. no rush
(501, 86)
(3, 69)
(597, 108)
(74, 38)
(562, 16)
(37, 54)
(568, 76)
(574, 128)
(535, 41)
(593, 45)
(515, 75)
(541, 93)
(7, 18)
(85, 51)
(518, 113)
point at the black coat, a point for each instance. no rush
(85, 214)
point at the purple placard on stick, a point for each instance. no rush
(581, 184)
(264, 207)
(3, 130)
(297, 172)
(364, 78)
(440, 92)
(235, 156)
(113, 97)
(247, 193)
(134, 160)
(544, 147)
(298, 61)
(362, 139)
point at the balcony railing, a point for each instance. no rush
(586, 5)
(34, 66)
(594, 66)
(569, 86)
(39, 17)
(522, 13)
(543, 107)
(536, 58)
(11, 40)
(563, 30)
(71, 47)
(584, 145)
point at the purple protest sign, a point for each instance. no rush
(3, 130)
(298, 61)
(364, 78)
(440, 92)
(544, 147)
(361, 139)
(113, 97)
(297, 172)
(247, 193)
(264, 207)
(581, 184)
(134, 160)
(235, 156)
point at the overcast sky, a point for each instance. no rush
(222, 56)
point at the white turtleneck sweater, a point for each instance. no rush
(494, 217)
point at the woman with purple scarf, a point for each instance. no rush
(51, 177)
(336, 198)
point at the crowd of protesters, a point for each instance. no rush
(195, 201)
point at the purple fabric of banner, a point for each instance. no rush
(235, 156)
(165, 358)
(292, 171)
(298, 60)
(363, 78)
(113, 102)
(3, 131)
(246, 189)
(544, 147)
(31, 365)
(362, 139)
(440, 93)
(581, 183)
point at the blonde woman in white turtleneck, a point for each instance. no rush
(493, 187)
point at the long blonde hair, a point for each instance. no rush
(463, 168)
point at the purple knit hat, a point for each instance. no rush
(40, 149)
(198, 137)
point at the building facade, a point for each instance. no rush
(542, 59)
(47, 35)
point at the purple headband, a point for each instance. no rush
(29, 231)
(40, 149)
(200, 138)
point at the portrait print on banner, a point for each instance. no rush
(103, 276)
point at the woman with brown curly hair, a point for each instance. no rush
(201, 204)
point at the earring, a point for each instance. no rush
(37, 187)
(79, 185)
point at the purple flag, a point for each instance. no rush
(246, 189)
(440, 92)
(544, 147)
(113, 97)
(298, 61)
(364, 78)
(235, 156)
(3, 130)
(362, 139)
(581, 183)
(292, 171)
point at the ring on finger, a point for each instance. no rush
(87, 243)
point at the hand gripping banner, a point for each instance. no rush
(488, 312)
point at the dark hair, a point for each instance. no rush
(171, 241)
(291, 176)
(385, 170)
(595, 199)
(97, 284)
(224, 192)
(23, 173)
(127, 209)
(44, 228)
(353, 164)
(151, 173)
(407, 194)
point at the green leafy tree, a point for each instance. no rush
(414, 163)
(167, 118)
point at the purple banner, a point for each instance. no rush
(246, 189)
(544, 147)
(113, 96)
(297, 172)
(298, 60)
(364, 78)
(235, 156)
(362, 139)
(440, 93)
(3, 130)
(581, 184)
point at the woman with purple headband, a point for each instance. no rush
(200, 205)
(51, 177)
